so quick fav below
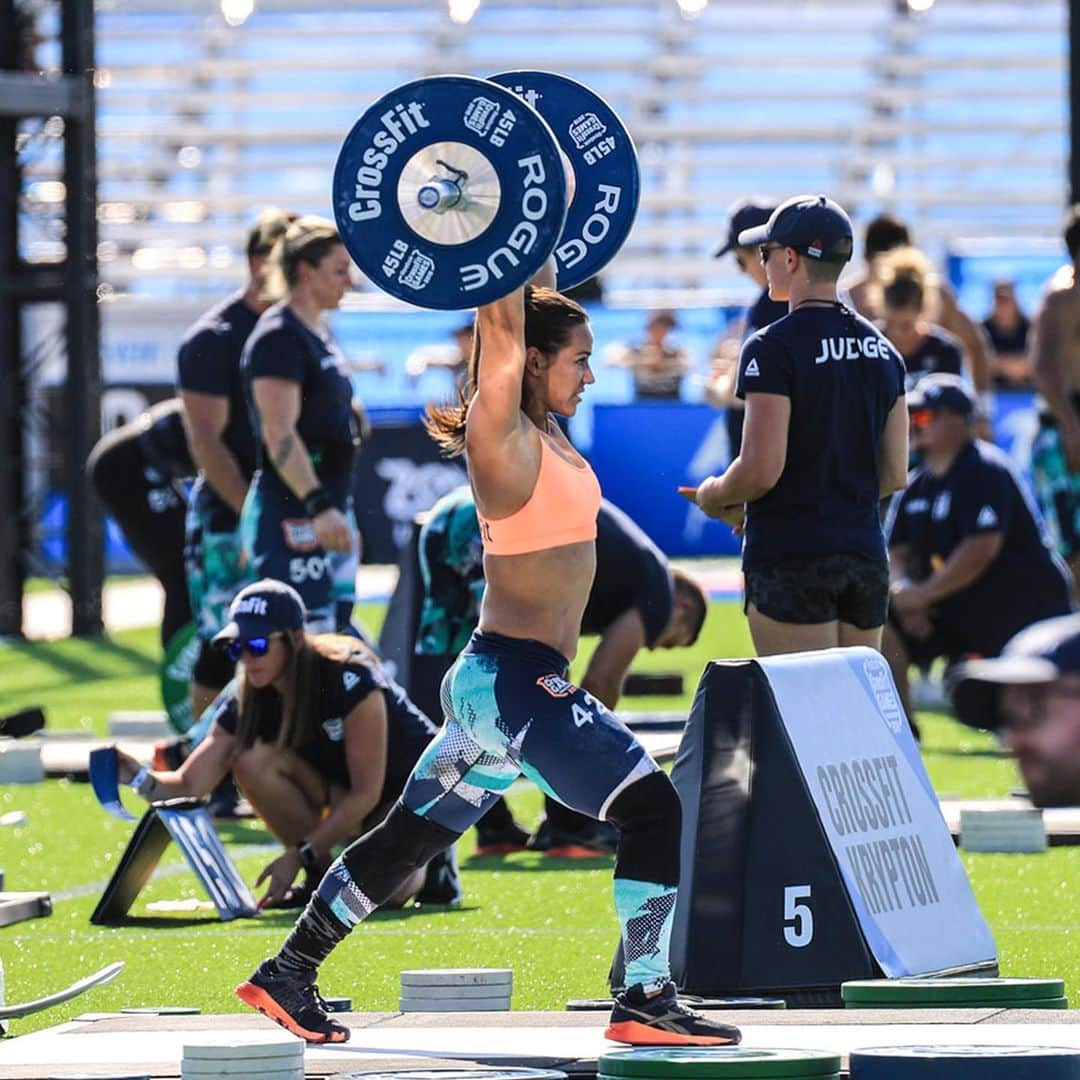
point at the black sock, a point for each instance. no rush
(316, 934)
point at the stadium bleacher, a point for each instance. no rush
(954, 118)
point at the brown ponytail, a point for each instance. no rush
(550, 318)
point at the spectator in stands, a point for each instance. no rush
(1055, 350)
(926, 348)
(1030, 696)
(1007, 327)
(223, 446)
(319, 738)
(970, 564)
(720, 389)
(657, 366)
(825, 438)
(885, 233)
(138, 471)
(298, 522)
(637, 601)
(452, 358)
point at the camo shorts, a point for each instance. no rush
(848, 588)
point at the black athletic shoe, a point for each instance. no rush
(442, 885)
(663, 1020)
(291, 999)
(596, 840)
(501, 841)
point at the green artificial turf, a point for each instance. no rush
(549, 920)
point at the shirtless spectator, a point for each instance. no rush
(885, 233)
(1055, 352)
(1007, 327)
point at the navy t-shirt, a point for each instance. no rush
(631, 572)
(343, 685)
(843, 378)
(760, 314)
(209, 363)
(282, 347)
(981, 494)
(938, 352)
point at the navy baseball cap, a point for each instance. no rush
(811, 224)
(943, 391)
(261, 609)
(1040, 653)
(742, 215)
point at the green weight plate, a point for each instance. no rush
(1015, 1003)
(719, 1063)
(177, 664)
(965, 1063)
(942, 991)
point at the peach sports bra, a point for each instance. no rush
(561, 510)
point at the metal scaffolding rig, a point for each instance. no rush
(72, 283)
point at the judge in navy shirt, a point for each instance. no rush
(970, 561)
(297, 522)
(824, 439)
(219, 432)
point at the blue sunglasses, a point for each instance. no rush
(256, 646)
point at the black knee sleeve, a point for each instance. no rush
(648, 815)
(383, 858)
(213, 668)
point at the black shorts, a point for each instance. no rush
(848, 588)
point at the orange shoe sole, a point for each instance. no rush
(259, 999)
(636, 1034)
(577, 851)
(499, 849)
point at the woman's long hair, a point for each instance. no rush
(299, 709)
(550, 318)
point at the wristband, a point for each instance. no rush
(316, 501)
(309, 858)
(987, 400)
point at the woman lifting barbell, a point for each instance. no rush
(509, 706)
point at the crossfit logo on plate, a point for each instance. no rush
(534, 205)
(877, 675)
(418, 270)
(480, 115)
(556, 685)
(398, 124)
(587, 128)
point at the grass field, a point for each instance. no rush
(550, 920)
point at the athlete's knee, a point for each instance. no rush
(384, 857)
(648, 815)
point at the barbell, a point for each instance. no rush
(452, 191)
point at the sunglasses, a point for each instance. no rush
(256, 647)
(920, 417)
(765, 250)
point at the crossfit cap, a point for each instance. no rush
(743, 215)
(262, 609)
(943, 391)
(811, 224)
(1040, 653)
